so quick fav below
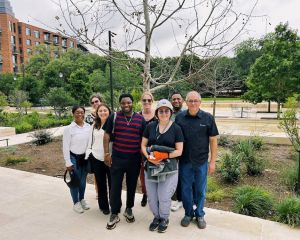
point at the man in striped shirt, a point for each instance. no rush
(127, 128)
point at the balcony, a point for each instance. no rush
(15, 51)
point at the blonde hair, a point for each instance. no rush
(149, 94)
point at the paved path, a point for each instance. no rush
(38, 207)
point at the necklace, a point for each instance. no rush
(128, 122)
(158, 134)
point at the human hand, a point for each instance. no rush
(212, 167)
(108, 160)
(70, 168)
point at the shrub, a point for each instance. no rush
(254, 164)
(33, 119)
(253, 201)
(23, 127)
(42, 137)
(216, 196)
(257, 142)
(290, 177)
(231, 167)
(288, 211)
(225, 141)
(15, 160)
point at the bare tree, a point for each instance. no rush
(200, 27)
(219, 78)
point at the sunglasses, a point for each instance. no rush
(147, 100)
(95, 102)
(167, 111)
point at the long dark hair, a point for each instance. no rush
(97, 120)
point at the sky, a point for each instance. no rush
(42, 13)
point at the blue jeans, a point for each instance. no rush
(198, 175)
(77, 193)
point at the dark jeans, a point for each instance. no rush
(198, 176)
(102, 175)
(119, 167)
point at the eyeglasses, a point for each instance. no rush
(147, 100)
(96, 101)
(193, 101)
(166, 111)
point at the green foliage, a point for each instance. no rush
(290, 176)
(7, 83)
(23, 127)
(15, 160)
(288, 211)
(59, 99)
(41, 137)
(257, 142)
(275, 74)
(245, 149)
(17, 98)
(214, 192)
(231, 167)
(3, 101)
(253, 201)
(78, 86)
(225, 141)
(289, 122)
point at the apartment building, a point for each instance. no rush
(17, 40)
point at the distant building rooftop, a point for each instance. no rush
(5, 7)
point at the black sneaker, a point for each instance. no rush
(154, 225)
(129, 215)
(201, 222)
(185, 221)
(163, 225)
(144, 200)
(105, 211)
(113, 220)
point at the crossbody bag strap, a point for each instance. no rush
(114, 121)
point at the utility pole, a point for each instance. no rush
(110, 35)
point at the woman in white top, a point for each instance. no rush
(96, 153)
(75, 140)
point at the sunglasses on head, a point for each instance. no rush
(147, 100)
(96, 101)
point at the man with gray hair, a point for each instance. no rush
(200, 137)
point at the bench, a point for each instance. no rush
(5, 139)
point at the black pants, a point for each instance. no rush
(102, 175)
(120, 166)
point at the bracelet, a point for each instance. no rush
(106, 154)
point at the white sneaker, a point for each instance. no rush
(78, 208)
(84, 205)
(176, 206)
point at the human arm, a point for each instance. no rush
(107, 154)
(213, 142)
(178, 150)
(144, 147)
(66, 148)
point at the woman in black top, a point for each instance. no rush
(161, 175)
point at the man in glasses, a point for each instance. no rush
(200, 138)
(125, 158)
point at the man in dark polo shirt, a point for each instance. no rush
(200, 135)
(125, 158)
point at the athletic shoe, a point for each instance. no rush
(84, 205)
(129, 215)
(113, 220)
(154, 225)
(163, 225)
(175, 207)
(201, 222)
(185, 221)
(78, 208)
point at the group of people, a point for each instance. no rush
(168, 147)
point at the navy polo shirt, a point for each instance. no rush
(196, 131)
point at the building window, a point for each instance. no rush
(71, 44)
(28, 42)
(28, 31)
(20, 41)
(36, 43)
(55, 39)
(36, 34)
(64, 42)
(47, 37)
(9, 25)
(19, 29)
(13, 40)
(14, 27)
(29, 51)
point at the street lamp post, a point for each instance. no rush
(298, 183)
(110, 35)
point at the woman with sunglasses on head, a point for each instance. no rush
(95, 101)
(148, 113)
(75, 141)
(162, 143)
(96, 153)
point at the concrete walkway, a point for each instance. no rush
(38, 207)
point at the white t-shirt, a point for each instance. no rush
(95, 144)
(75, 139)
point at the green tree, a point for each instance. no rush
(17, 98)
(60, 100)
(3, 101)
(33, 86)
(7, 83)
(275, 74)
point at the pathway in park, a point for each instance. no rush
(39, 207)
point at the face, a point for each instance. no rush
(193, 102)
(126, 105)
(147, 101)
(95, 102)
(164, 114)
(78, 115)
(103, 113)
(177, 101)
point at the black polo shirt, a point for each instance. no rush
(196, 131)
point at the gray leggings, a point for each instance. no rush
(159, 195)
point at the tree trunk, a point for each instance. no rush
(147, 74)
(214, 107)
(269, 106)
(278, 109)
